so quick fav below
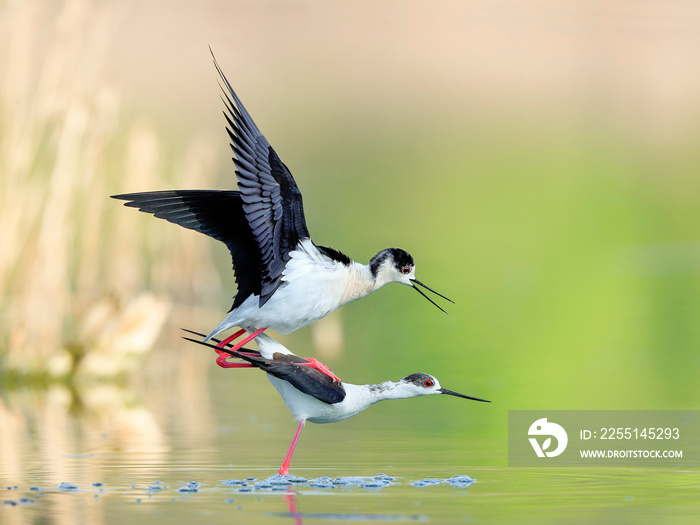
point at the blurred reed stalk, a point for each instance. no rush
(74, 264)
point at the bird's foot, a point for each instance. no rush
(222, 360)
(318, 365)
(223, 363)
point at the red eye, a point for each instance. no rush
(428, 383)
(406, 270)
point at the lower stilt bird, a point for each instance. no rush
(312, 395)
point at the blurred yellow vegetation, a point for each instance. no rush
(73, 263)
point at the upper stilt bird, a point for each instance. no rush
(285, 280)
(313, 396)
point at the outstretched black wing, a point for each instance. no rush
(218, 214)
(271, 199)
(260, 224)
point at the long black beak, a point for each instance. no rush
(416, 281)
(451, 393)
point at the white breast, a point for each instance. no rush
(313, 286)
(308, 408)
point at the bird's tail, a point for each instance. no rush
(245, 354)
(223, 325)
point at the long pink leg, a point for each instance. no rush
(232, 337)
(221, 360)
(284, 469)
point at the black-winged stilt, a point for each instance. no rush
(285, 281)
(314, 396)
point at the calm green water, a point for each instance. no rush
(128, 451)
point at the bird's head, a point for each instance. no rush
(424, 385)
(395, 265)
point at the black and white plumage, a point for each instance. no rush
(285, 281)
(313, 396)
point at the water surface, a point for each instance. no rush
(115, 454)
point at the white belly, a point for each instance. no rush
(313, 286)
(291, 307)
(308, 408)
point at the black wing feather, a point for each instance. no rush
(218, 214)
(305, 379)
(271, 199)
(308, 380)
(260, 224)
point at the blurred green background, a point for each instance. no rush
(539, 160)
